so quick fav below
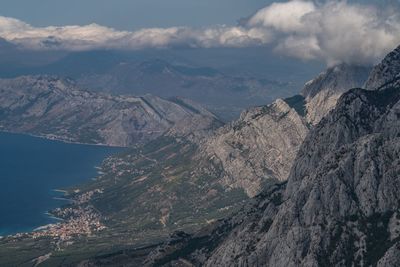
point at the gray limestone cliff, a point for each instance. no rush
(385, 72)
(261, 145)
(264, 141)
(341, 203)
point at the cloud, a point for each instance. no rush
(285, 17)
(94, 36)
(333, 31)
(337, 31)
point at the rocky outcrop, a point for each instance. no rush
(261, 145)
(341, 203)
(264, 141)
(340, 206)
(385, 72)
(322, 93)
(57, 108)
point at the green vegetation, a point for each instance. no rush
(147, 193)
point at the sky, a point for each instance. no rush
(130, 14)
(335, 31)
(135, 14)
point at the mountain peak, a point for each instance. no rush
(385, 72)
(337, 79)
(322, 93)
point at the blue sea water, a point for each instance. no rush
(31, 168)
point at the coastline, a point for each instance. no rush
(55, 139)
(60, 194)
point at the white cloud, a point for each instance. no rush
(334, 31)
(285, 17)
(350, 33)
(95, 36)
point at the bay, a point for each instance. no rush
(31, 168)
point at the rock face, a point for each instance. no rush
(341, 203)
(385, 72)
(340, 206)
(56, 108)
(322, 93)
(260, 145)
(264, 141)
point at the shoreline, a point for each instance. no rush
(50, 219)
(55, 139)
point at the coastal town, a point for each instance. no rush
(77, 219)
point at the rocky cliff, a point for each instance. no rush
(340, 206)
(385, 72)
(261, 145)
(264, 141)
(57, 108)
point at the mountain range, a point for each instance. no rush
(58, 109)
(339, 206)
(218, 80)
(309, 180)
(222, 94)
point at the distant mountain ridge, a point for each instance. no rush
(57, 108)
(220, 93)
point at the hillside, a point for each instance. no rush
(58, 109)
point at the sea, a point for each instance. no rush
(32, 169)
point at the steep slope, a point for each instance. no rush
(322, 93)
(57, 108)
(341, 202)
(340, 206)
(264, 141)
(385, 72)
(261, 145)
